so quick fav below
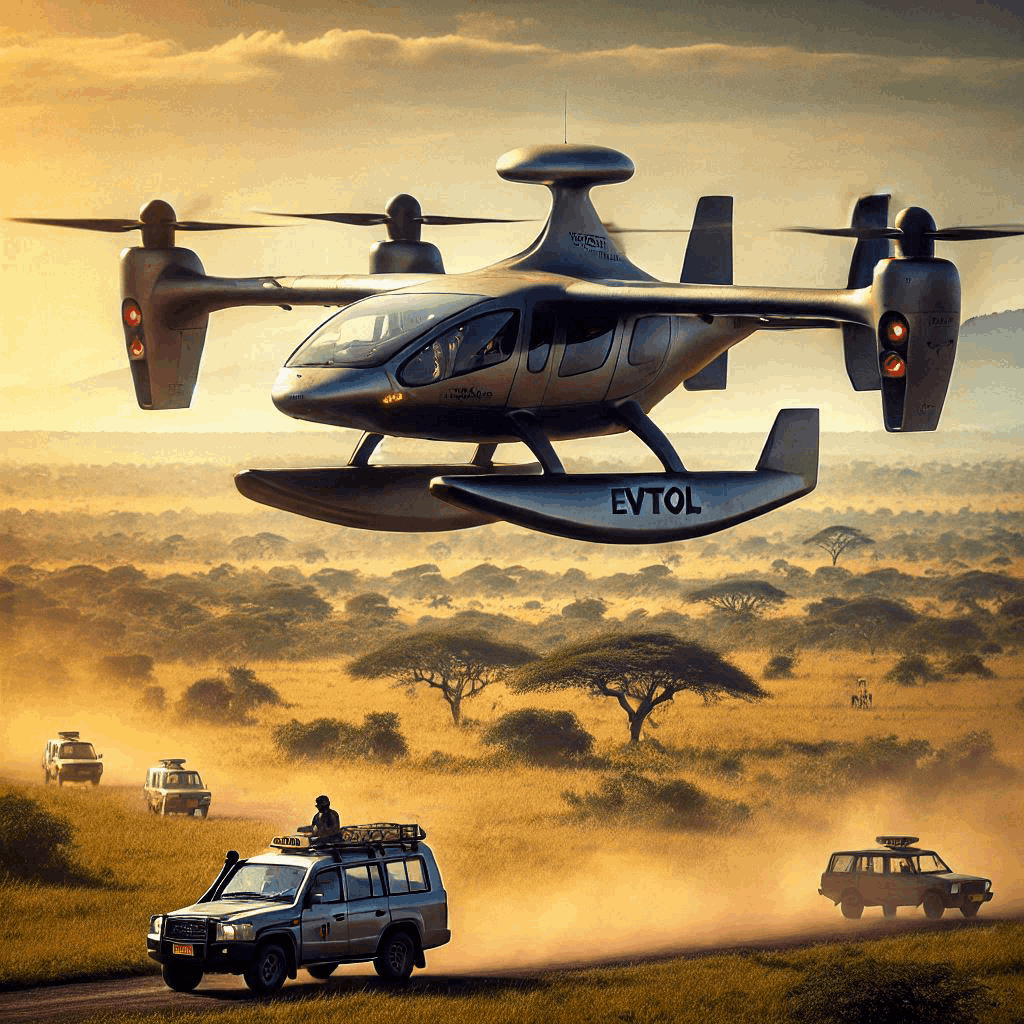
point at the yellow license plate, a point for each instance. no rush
(977, 897)
(182, 948)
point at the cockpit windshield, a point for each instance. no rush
(371, 331)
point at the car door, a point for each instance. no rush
(324, 918)
(870, 879)
(904, 884)
(367, 907)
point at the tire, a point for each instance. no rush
(266, 974)
(60, 780)
(970, 909)
(46, 777)
(95, 782)
(852, 906)
(395, 957)
(203, 811)
(888, 910)
(182, 977)
(321, 971)
(933, 906)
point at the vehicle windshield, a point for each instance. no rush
(371, 331)
(264, 882)
(183, 780)
(81, 751)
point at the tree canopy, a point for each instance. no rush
(740, 597)
(641, 671)
(837, 539)
(457, 664)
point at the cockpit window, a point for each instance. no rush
(371, 331)
(467, 346)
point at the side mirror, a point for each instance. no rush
(316, 897)
(100, 757)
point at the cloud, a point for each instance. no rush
(479, 54)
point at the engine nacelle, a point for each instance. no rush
(164, 361)
(917, 316)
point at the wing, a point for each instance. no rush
(791, 304)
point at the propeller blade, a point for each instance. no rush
(431, 219)
(359, 219)
(646, 231)
(85, 223)
(968, 234)
(862, 234)
(200, 225)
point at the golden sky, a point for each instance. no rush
(222, 108)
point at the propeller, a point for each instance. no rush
(403, 218)
(157, 221)
(915, 233)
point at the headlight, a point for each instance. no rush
(205, 798)
(954, 888)
(988, 885)
(155, 924)
(235, 932)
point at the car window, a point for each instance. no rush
(363, 881)
(930, 862)
(842, 862)
(329, 883)
(417, 876)
(397, 880)
(902, 866)
(407, 876)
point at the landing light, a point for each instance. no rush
(893, 365)
(132, 314)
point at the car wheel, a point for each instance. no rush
(95, 782)
(266, 974)
(888, 910)
(970, 909)
(395, 956)
(60, 781)
(322, 971)
(852, 906)
(933, 906)
(203, 811)
(182, 977)
(46, 777)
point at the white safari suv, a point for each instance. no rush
(368, 893)
(171, 788)
(69, 758)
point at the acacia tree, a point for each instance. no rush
(740, 597)
(458, 665)
(837, 539)
(639, 670)
(875, 620)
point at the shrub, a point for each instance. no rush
(675, 803)
(862, 990)
(780, 666)
(213, 699)
(35, 844)
(538, 735)
(910, 670)
(127, 668)
(969, 665)
(378, 738)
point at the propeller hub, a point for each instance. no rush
(917, 238)
(158, 220)
(405, 217)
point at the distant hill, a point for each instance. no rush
(993, 338)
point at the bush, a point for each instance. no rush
(126, 668)
(675, 803)
(541, 736)
(326, 739)
(910, 670)
(862, 990)
(780, 666)
(153, 698)
(969, 665)
(35, 844)
(213, 699)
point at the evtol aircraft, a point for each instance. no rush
(566, 339)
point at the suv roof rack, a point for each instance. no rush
(372, 838)
(69, 734)
(897, 842)
(172, 762)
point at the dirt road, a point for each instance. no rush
(221, 992)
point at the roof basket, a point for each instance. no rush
(172, 762)
(896, 842)
(68, 734)
(349, 836)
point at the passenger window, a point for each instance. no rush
(542, 333)
(329, 883)
(417, 877)
(867, 865)
(588, 340)
(357, 882)
(650, 340)
(842, 862)
(472, 345)
(397, 881)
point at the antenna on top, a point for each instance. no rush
(565, 117)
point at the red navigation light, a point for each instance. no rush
(893, 365)
(137, 349)
(132, 314)
(894, 329)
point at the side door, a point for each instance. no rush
(641, 356)
(870, 879)
(367, 906)
(904, 884)
(324, 918)
(585, 360)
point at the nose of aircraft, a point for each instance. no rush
(343, 397)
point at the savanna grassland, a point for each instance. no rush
(123, 585)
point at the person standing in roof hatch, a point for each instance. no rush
(326, 819)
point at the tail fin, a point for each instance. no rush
(708, 260)
(859, 344)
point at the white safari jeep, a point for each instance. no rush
(69, 758)
(366, 893)
(171, 788)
